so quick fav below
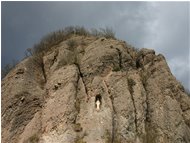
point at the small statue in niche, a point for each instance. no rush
(98, 102)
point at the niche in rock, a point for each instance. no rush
(98, 101)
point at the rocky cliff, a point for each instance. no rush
(55, 102)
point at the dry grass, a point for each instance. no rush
(71, 45)
(52, 39)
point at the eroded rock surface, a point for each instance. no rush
(141, 101)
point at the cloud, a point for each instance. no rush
(161, 26)
(171, 37)
(181, 69)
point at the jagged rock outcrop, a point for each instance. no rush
(141, 101)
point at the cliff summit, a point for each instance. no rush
(93, 89)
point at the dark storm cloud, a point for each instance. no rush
(158, 25)
(24, 23)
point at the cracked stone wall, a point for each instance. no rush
(141, 101)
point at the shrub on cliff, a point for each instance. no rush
(7, 68)
(54, 38)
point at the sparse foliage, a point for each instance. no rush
(7, 68)
(103, 32)
(95, 32)
(47, 42)
(109, 138)
(72, 44)
(107, 33)
(51, 41)
(116, 69)
(131, 83)
(33, 139)
(81, 31)
(134, 49)
(54, 38)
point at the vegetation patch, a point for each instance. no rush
(116, 69)
(33, 139)
(103, 32)
(7, 68)
(80, 139)
(77, 127)
(51, 40)
(131, 83)
(110, 139)
(77, 105)
(71, 45)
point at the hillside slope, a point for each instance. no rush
(55, 102)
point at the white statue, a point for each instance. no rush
(97, 105)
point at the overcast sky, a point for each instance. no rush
(163, 26)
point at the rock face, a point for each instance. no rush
(140, 100)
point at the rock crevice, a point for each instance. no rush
(132, 83)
